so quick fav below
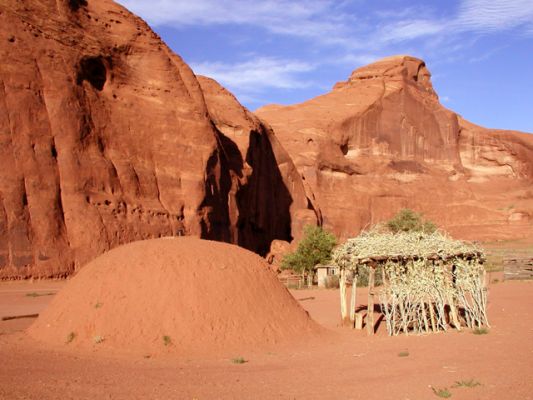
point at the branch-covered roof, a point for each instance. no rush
(377, 246)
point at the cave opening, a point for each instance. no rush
(76, 4)
(94, 71)
(344, 148)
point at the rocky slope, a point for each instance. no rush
(106, 138)
(381, 141)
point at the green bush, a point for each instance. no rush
(410, 221)
(332, 282)
(362, 278)
(315, 248)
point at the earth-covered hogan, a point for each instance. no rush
(430, 282)
(180, 295)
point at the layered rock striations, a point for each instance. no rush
(381, 141)
(106, 138)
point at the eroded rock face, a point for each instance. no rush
(266, 196)
(381, 141)
(106, 138)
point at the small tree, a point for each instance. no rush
(409, 221)
(315, 248)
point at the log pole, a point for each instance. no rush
(353, 299)
(342, 284)
(370, 308)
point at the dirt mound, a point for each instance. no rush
(181, 295)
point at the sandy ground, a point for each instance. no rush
(345, 365)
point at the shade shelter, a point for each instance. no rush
(429, 282)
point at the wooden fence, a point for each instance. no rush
(516, 267)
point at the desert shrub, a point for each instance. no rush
(443, 393)
(471, 383)
(494, 263)
(315, 248)
(362, 278)
(410, 221)
(98, 339)
(332, 282)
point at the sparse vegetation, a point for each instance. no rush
(332, 282)
(471, 383)
(362, 278)
(167, 341)
(239, 360)
(404, 353)
(480, 331)
(442, 393)
(494, 263)
(36, 294)
(98, 339)
(410, 221)
(98, 305)
(315, 248)
(70, 337)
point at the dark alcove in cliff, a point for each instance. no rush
(76, 4)
(261, 205)
(92, 70)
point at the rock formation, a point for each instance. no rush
(265, 191)
(106, 138)
(381, 141)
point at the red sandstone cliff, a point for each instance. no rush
(381, 141)
(266, 189)
(106, 138)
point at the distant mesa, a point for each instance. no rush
(381, 141)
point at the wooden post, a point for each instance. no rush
(484, 289)
(370, 308)
(342, 285)
(432, 316)
(359, 321)
(453, 312)
(354, 298)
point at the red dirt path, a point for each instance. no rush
(344, 365)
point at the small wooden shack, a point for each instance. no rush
(429, 282)
(325, 272)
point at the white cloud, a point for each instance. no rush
(486, 16)
(355, 59)
(311, 18)
(328, 22)
(410, 29)
(256, 74)
(335, 35)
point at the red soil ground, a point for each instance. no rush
(345, 364)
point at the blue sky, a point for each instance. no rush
(480, 52)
